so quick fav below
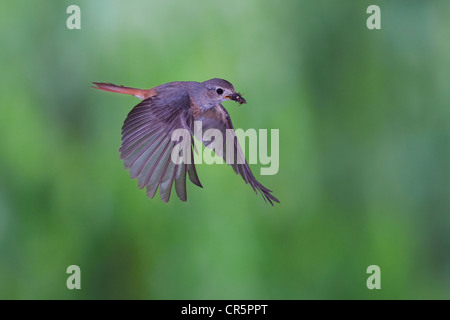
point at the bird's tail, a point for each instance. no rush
(138, 93)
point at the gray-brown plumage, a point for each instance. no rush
(146, 134)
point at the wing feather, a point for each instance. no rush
(147, 146)
(218, 118)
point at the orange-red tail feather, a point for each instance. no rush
(138, 93)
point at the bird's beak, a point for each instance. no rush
(237, 97)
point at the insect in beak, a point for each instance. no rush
(237, 97)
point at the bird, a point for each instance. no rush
(146, 133)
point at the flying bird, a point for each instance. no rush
(146, 133)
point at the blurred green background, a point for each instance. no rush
(364, 151)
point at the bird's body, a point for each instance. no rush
(146, 134)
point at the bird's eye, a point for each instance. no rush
(219, 90)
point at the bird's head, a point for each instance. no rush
(221, 90)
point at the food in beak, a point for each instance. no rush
(238, 98)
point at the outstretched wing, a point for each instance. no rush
(218, 118)
(147, 146)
